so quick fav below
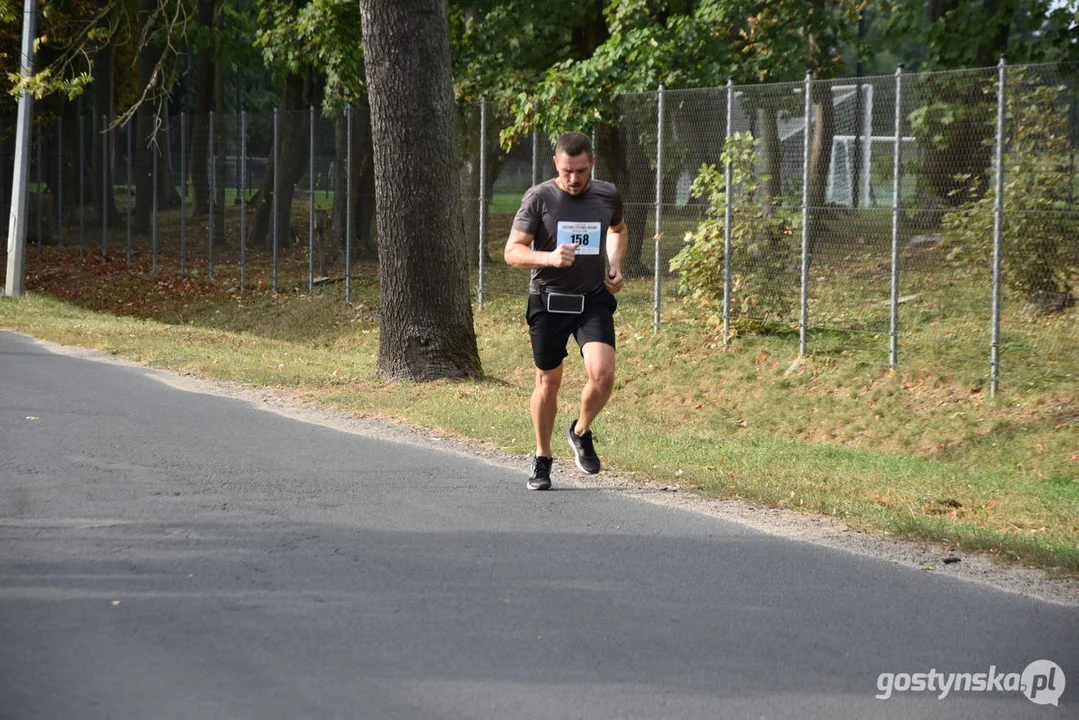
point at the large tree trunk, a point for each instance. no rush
(291, 157)
(426, 329)
(199, 164)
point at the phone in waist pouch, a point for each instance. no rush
(568, 303)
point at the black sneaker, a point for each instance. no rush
(541, 474)
(583, 451)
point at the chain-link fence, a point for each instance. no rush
(930, 216)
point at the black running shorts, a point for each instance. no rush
(550, 331)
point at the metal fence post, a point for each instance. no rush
(59, 184)
(213, 192)
(105, 190)
(535, 145)
(348, 205)
(728, 218)
(183, 192)
(273, 209)
(153, 180)
(594, 155)
(893, 334)
(5, 195)
(483, 193)
(659, 212)
(311, 203)
(998, 226)
(39, 173)
(243, 200)
(866, 156)
(82, 186)
(167, 155)
(804, 297)
(130, 184)
(1073, 125)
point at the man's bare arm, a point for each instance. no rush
(519, 253)
(617, 244)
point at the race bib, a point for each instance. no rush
(585, 234)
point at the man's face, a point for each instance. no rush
(574, 171)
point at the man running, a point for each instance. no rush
(570, 232)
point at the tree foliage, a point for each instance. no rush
(972, 33)
(323, 36)
(504, 48)
(684, 45)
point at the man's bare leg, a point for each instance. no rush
(599, 364)
(544, 407)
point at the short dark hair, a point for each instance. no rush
(573, 144)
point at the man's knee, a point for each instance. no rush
(548, 381)
(599, 363)
(602, 377)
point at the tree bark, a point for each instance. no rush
(426, 314)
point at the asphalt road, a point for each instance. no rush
(169, 554)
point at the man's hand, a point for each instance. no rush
(563, 256)
(614, 281)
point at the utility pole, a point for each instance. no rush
(16, 240)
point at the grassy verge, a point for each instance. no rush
(915, 454)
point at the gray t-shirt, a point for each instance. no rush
(555, 217)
